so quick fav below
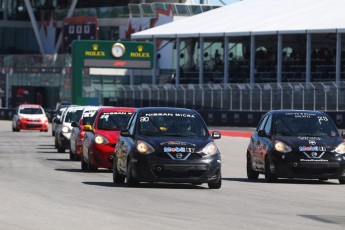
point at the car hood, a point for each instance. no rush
(160, 142)
(32, 116)
(311, 143)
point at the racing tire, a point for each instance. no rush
(72, 155)
(117, 177)
(341, 181)
(269, 176)
(89, 166)
(83, 164)
(131, 181)
(56, 143)
(251, 174)
(61, 150)
(217, 184)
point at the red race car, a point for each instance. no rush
(29, 117)
(101, 137)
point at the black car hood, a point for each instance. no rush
(159, 142)
(311, 143)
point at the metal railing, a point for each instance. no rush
(325, 96)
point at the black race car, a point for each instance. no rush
(167, 145)
(296, 144)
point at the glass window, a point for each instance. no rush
(113, 120)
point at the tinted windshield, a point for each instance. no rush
(172, 124)
(304, 124)
(31, 111)
(73, 115)
(113, 120)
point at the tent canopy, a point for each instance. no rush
(257, 17)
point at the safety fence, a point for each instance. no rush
(325, 96)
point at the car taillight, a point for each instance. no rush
(81, 134)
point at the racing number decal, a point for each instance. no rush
(322, 119)
(104, 116)
(144, 119)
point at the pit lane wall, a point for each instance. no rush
(216, 118)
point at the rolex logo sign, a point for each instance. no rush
(94, 52)
(140, 53)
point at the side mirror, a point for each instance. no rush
(343, 134)
(74, 124)
(216, 135)
(88, 128)
(262, 133)
(125, 133)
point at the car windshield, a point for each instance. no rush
(304, 124)
(172, 124)
(73, 115)
(31, 111)
(114, 121)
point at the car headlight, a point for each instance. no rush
(65, 129)
(210, 148)
(99, 139)
(340, 148)
(145, 148)
(281, 147)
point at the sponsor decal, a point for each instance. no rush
(176, 143)
(178, 150)
(106, 115)
(309, 138)
(313, 160)
(169, 115)
(301, 114)
(311, 148)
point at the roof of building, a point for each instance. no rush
(257, 17)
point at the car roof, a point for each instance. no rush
(165, 109)
(30, 106)
(116, 109)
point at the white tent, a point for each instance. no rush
(256, 17)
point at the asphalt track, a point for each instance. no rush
(42, 189)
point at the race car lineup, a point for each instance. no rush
(174, 145)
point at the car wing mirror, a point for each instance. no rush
(74, 124)
(262, 133)
(343, 134)
(125, 133)
(216, 135)
(88, 128)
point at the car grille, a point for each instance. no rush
(316, 167)
(33, 125)
(183, 156)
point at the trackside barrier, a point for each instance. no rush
(217, 118)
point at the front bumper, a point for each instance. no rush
(153, 169)
(26, 125)
(318, 168)
(103, 156)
